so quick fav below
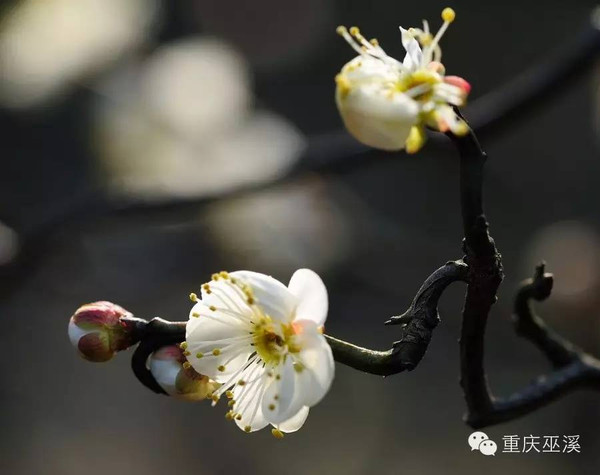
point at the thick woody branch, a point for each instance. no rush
(573, 368)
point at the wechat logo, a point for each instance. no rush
(480, 441)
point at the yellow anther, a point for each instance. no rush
(250, 301)
(221, 368)
(354, 31)
(216, 352)
(183, 345)
(195, 314)
(461, 129)
(229, 394)
(448, 14)
(233, 281)
(212, 308)
(416, 139)
(199, 355)
(241, 382)
(340, 30)
(186, 365)
(224, 274)
(278, 377)
(215, 398)
(193, 297)
(247, 429)
(374, 41)
(271, 407)
(215, 277)
(343, 85)
(238, 417)
(229, 415)
(206, 288)
(277, 433)
(231, 403)
(186, 353)
(425, 39)
(299, 367)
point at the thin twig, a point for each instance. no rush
(417, 323)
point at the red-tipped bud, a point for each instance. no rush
(97, 331)
(177, 378)
(458, 82)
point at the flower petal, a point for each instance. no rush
(414, 55)
(280, 401)
(219, 345)
(271, 295)
(311, 293)
(249, 398)
(316, 358)
(295, 422)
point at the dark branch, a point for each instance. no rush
(539, 85)
(573, 368)
(530, 326)
(417, 322)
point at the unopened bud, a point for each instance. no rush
(97, 331)
(179, 380)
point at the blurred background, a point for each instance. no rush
(119, 117)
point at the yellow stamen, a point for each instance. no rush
(193, 297)
(448, 14)
(277, 433)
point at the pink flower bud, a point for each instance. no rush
(97, 331)
(178, 379)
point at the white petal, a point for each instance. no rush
(249, 399)
(206, 333)
(279, 402)
(414, 55)
(311, 293)
(319, 367)
(295, 422)
(165, 372)
(377, 115)
(272, 296)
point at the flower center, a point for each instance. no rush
(273, 341)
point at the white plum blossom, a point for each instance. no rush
(386, 104)
(263, 342)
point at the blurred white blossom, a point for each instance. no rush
(45, 45)
(284, 227)
(182, 125)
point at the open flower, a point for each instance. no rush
(263, 342)
(171, 370)
(386, 104)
